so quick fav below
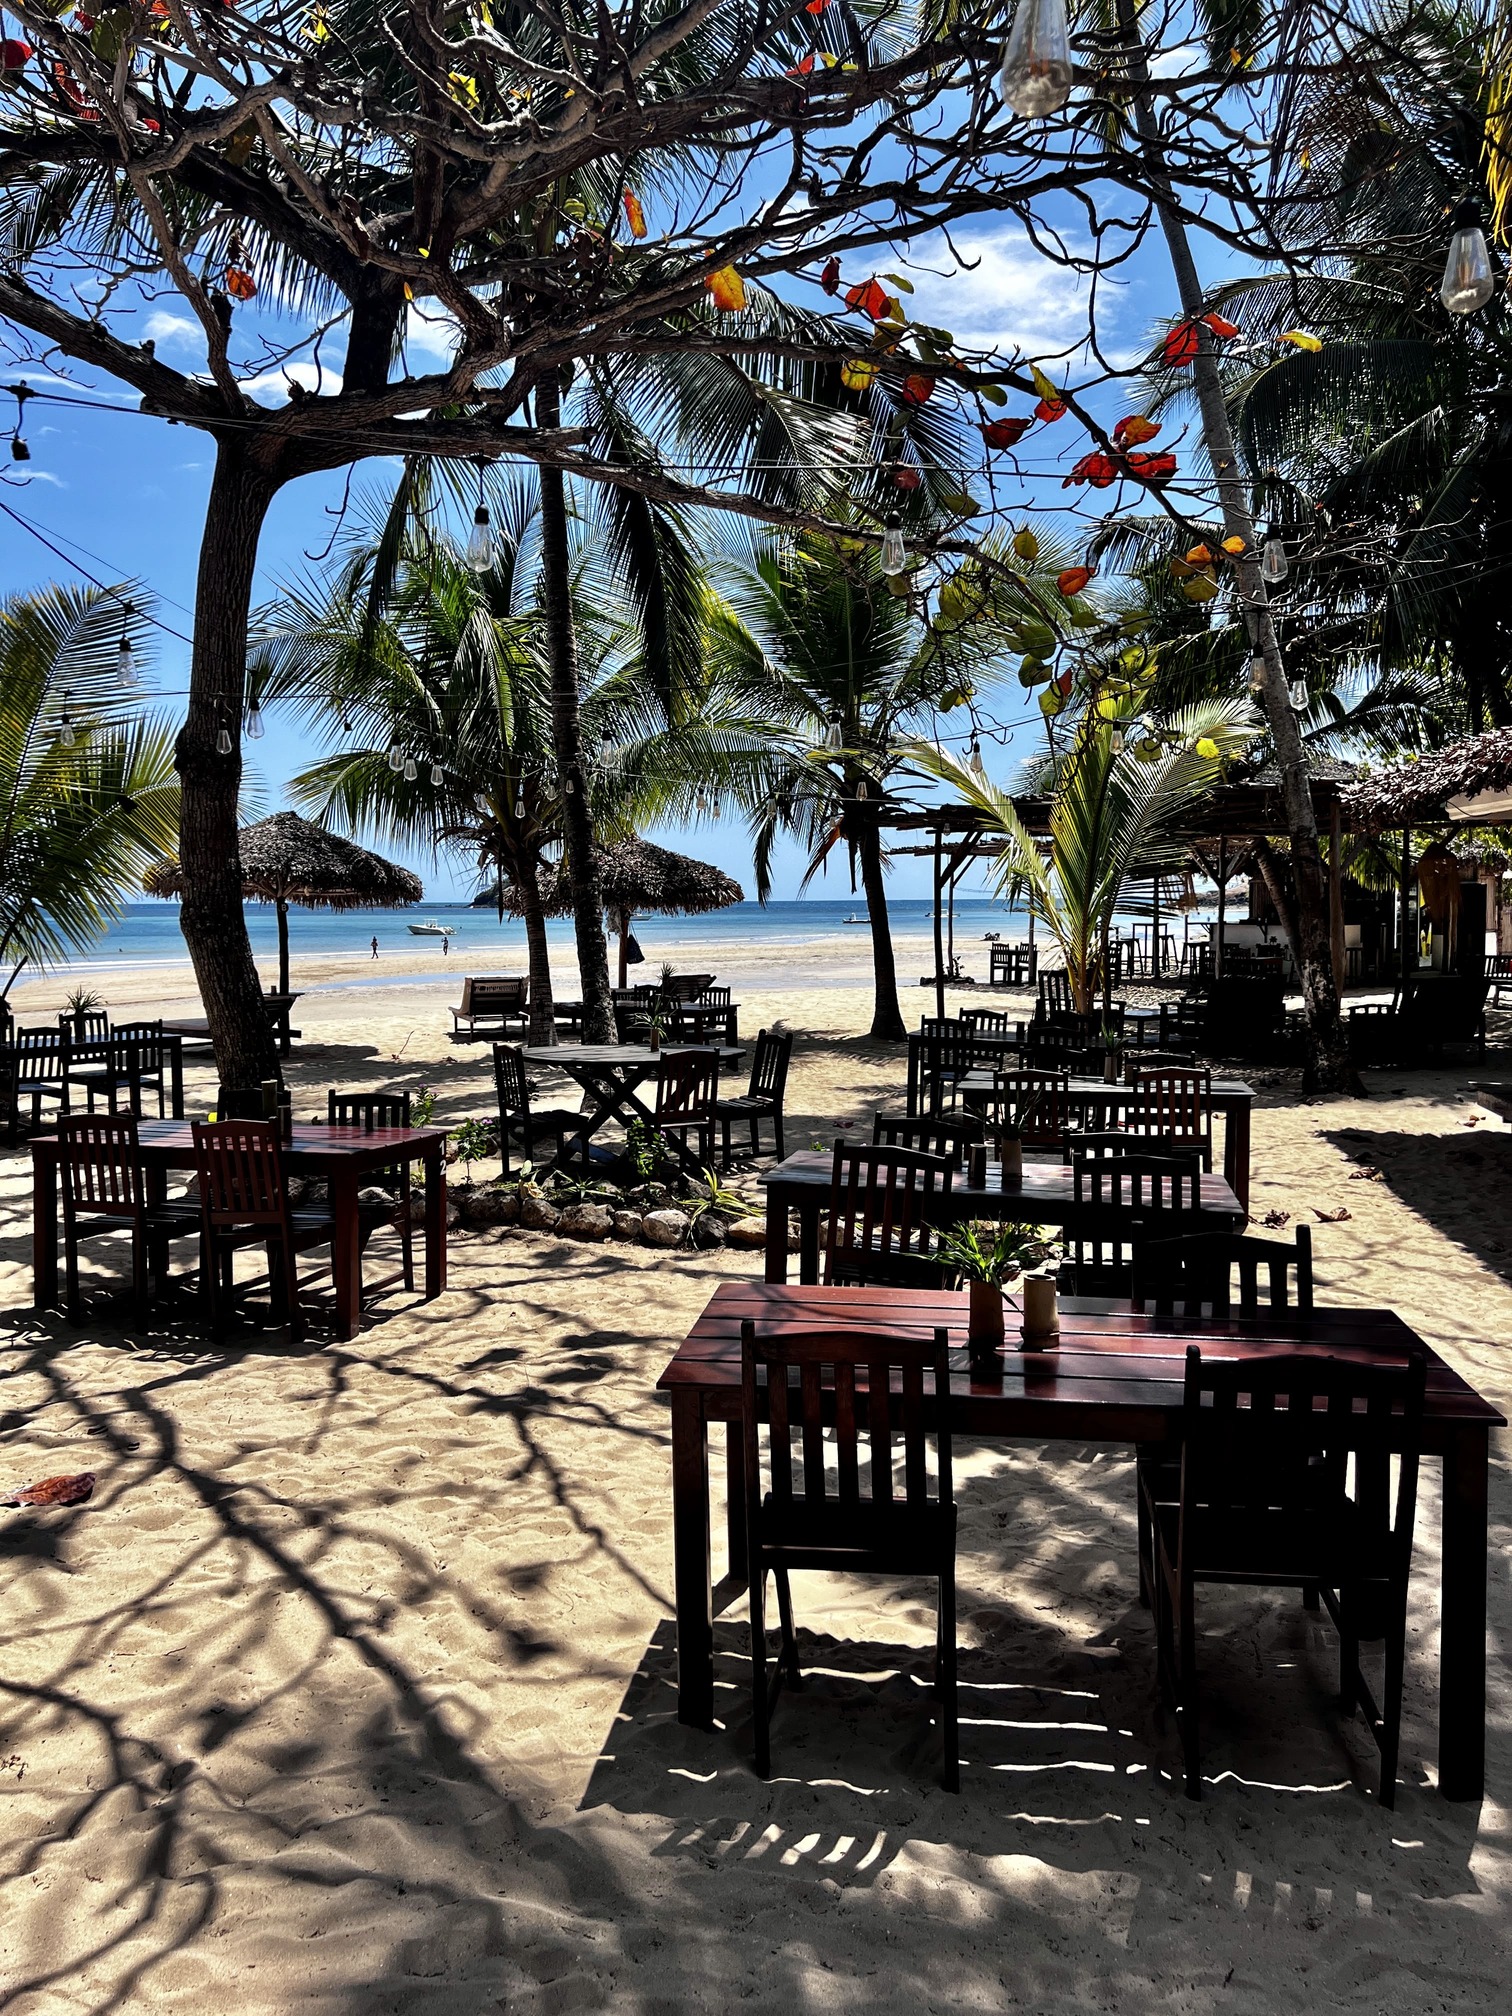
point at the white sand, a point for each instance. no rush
(351, 1691)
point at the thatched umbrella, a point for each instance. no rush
(287, 860)
(637, 876)
(1470, 782)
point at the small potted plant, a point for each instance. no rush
(1011, 1141)
(1111, 1055)
(991, 1257)
(654, 1027)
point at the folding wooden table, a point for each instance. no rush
(1117, 1377)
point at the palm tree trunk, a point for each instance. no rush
(567, 739)
(210, 911)
(283, 946)
(542, 1004)
(887, 1016)
(1329, 1067)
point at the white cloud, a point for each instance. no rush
(163, 327)
(1003, 296)
(44, 476)
(431, 337)
(271, 388)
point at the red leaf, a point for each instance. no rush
(1006, 433)
(1152, 468)
(1049, 409)
(239, 283)
(907, 479)
(54, 1491)
(870, 297)
(917, 387)
(801, 69)
(1064, 684)
(1072, 580)
(829, 279)
(1180, 347)
(1220, 327)
(1096, 468)
(1133, 429)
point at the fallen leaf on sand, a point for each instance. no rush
(1366, 1173)
(1276, 1218)
(1330, 1217)
(54, 1491)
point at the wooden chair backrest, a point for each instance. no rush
(687, 1084)
(1139, 1186)
(1055, 992)
(494, 994)
(879, 1233)
(368, 1109)
(916, 1365)
(991, 1022)
(949, 1138)
(1172, 1102)
(101, 1163)
(509, 1080)
(240, 1168)
(1036, 1105)
(1194, 1276)
(41, 1053)
(714, 997)
(769, 1067)
(1254, 1429)
(686, 986)
(86, 1025)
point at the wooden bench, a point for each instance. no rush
(494, 1001)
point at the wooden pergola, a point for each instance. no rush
(1240, 811)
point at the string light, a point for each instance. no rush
(436, 777)
(1274, 565)
(66, 736)
(1468, 281)
(19, 450)
(1298, 694)
(254, 722)
(395, 758)
(411, 769)
(1116, 742)
(1036, 72)
(223, 741)
(974, 761)
(894, 548)
(126, 664)
(1257, 675)
(834, 738)
(480, 547)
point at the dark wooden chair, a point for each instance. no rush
(855, 1522)
(1012, 966)
(951, 1138)
(687, 987)
(1172, 1105)
(131, 1059)
(370, 1110)
(104, 1192)
(1194, 1276)
(993, 1022)
(516, 1114)
(1055, 992)
(1267, 1498)
(764, 1097)
(1121, 1201)
(1035, 1105)
(88, 1030)
(494, 999)
(244, 1201)
(39, 1062)
(687, 1096)
(1181, 1024)
(879, 1231)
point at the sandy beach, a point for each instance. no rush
(351, 1691)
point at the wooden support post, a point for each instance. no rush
(1402, 953)
(1336, 895)
(1222, 903)
(1155, 927)
(939, 943)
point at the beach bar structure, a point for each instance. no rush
(1220, 832)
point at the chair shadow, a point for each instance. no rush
(1461, 1184)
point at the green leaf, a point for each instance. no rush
(903, 286)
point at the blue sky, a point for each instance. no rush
(125, 494)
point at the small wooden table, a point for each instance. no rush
(612, 1074)
(1117, 1378)
(341, 1155)
(1043, 1195)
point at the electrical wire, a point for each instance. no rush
(104, 586)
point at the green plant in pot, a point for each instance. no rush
(1112, 1037)
(992, 1257)
(1010, 1138)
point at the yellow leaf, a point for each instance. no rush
(464, 89)
(1302, 339)
(727, 288)
(1207, 748)
(1233, 545)
(856, 373)
(1026, 545)
(635, 216)
(1042, 384)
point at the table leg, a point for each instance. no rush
(776, 1234)
(44, 1228)
(690, 1551)
(1462, 1631)
(808, 1240)
(346, 1257)
(735, 1500)
(1236, 1150)
(176, 1071)
(434, 1163)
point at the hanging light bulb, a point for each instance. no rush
(974, 761)
(395, 758)
(1036, 73)
(1274, 565)
(1468, 281)
(223, 742)
(833, 734)
(436, 777)
(894, 548)
(411, 769)
(716, 805)
(863, 789)
(254, 723)
(519, 805)
(66, 736)
(1298, 695)
(480, 547)
(1257, 675)
(701, 804)
(1115, 742)
(126, 664)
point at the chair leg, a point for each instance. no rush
(1389, 1735)
(789, 1635)
(140, 1290)
(945, 1681)
(1143, 1539)
(762, 1732)
(291, 1288)
(406, 1230)
(212, 1284)
(724, 1143)
(71, 1301)
(1186, 1705)
(777, 1131)
(1349, 1663)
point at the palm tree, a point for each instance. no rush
(88, 796)
(1114, 802)
(815, 641)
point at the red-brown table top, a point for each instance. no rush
(1109, 1356)
(172, 1142)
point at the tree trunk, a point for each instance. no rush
(283, 946)
(567, 740)
(210, 911)
(542, 1003)
(887, 1016)
(1328, 1067)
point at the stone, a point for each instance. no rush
(487, 1206)
(537, 1213)
(748, 1233)
(586, 1221)
(627, 1225)
(665, 1228)
(709, 1229)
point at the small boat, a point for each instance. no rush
(853, 919)
(431, 930)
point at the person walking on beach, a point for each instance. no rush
(375, 944)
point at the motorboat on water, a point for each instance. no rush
(853, 919)
(431, 930)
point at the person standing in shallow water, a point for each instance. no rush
(375, 944)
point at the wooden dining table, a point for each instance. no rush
(1115, 1378)
(340, 1156)
(612, 1075)
(1045, 1194)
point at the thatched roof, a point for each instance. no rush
(286, 859)
(637, 876)
(1419, 792)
